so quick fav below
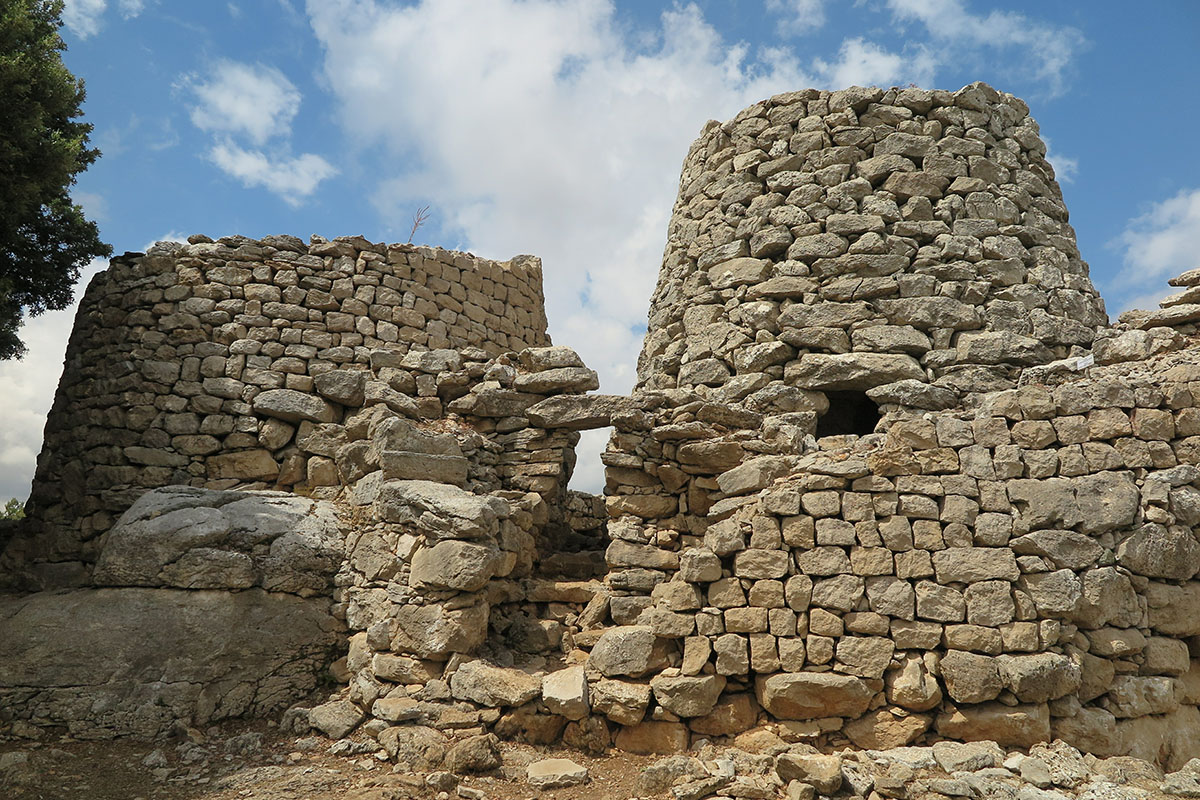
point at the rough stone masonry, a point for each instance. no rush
(888, 476)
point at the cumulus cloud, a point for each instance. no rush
(866, 63)
(798, 17)
(85, 18)
(29, 386)
(1065, 168)
(82, 17)
(1049, 49)
(1158, 245)
(293, 179)
(255, 103)
(561, 137)
(250, 100)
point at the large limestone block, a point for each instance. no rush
(1067, 549)
(1140, 696)
(1092, 730)
(344, 386)
(578, 412)
(1009, 726)
(538, 359)
(631, 650)
(822, 772)
(406, 465)
(653, 738)
(440, 510)
(930, 312)
(813, 695)
(436, 632)
(193, 538)
(861, 371)
(1000, 348)
(565, 692)
(687, 695)
(492, 686)
(1174, 610)
(884, 730)
(1049, 503)
(400, 434)
(487, 402)
(755, 474)
(623, 702)
(293, 406)
(1054, 593)
(558, 380)
(971, 564)
(555, 773)
(131, 662)
(1158, 551)
(454, 564)
(243, 465)
(913, 686)
(970, 677)
(1038, 677)
(1170, 740)
(414, 747)
(1107, 501)
(733, 714)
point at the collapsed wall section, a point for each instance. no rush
(172, 349)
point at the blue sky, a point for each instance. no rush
(557, 127)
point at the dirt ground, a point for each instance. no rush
(234, 762)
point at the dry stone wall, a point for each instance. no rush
(1020, 572)
(195, 364)
(979, 548)
(860, 238)
(888, 477)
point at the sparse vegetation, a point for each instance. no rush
(13, 509)
(419, 219)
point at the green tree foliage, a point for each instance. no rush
(13, 509)
(44, 238)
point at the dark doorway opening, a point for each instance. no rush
(849, 413)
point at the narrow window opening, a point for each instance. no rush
(849, 413)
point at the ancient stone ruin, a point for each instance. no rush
(888, 476)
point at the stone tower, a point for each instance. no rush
(911, 245)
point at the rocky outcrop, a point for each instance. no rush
(139, 661)
(214, 605)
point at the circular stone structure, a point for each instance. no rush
(905, 243)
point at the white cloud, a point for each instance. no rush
(866, 63)
(1158, 245)
(1065, 168)
(251, 100)
(169, 236)
(549, 127)
(293, 179)
(29, 386)
(95, 206)
(257, 103)
(84, 18)
(798, 17)
(1049, 49)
